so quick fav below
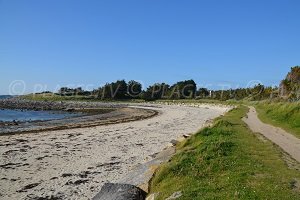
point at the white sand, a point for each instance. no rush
(75, 163)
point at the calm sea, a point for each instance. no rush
(5, 96)
(7, 115)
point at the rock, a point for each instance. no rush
(169, 145)
(186, 135)
(174, 142)
(152, 196)
(77, 182)
(28, 187)
(115, 191)
(175, 195)
(23, 104)
(66, 175)
(69, 109)
(58, 196)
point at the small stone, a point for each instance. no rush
(174, 142)
(186, 135)
(175, 195)
(152, 196)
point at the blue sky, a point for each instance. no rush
(52, 43)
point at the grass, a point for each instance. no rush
(227, 161)
(282, 114)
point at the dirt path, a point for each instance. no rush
(74, 163)
(284, 140)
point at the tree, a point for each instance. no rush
(119, 90)
(202, 93)
(156, 91)
(114, 90)
(183, 90)
(134, 89)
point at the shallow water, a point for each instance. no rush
(7, 115)
(5, 96)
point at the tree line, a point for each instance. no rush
(122, 90)
(289, 88)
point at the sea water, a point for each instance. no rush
(7, 115)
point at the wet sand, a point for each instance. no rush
(100, 116)
(75, 163)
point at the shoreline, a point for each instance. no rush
(75, 163)
(87, 124)
(93, 115)
(123, 115)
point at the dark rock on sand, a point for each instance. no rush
(28, 187)
(58, 196)
(77, 182)
(115, 191)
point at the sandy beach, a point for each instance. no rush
(75, 163)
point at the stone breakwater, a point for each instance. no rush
(18, 103)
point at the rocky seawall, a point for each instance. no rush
(19, 103)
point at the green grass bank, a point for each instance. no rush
(227, 161)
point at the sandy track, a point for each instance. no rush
(74, 164)
(286, 141)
